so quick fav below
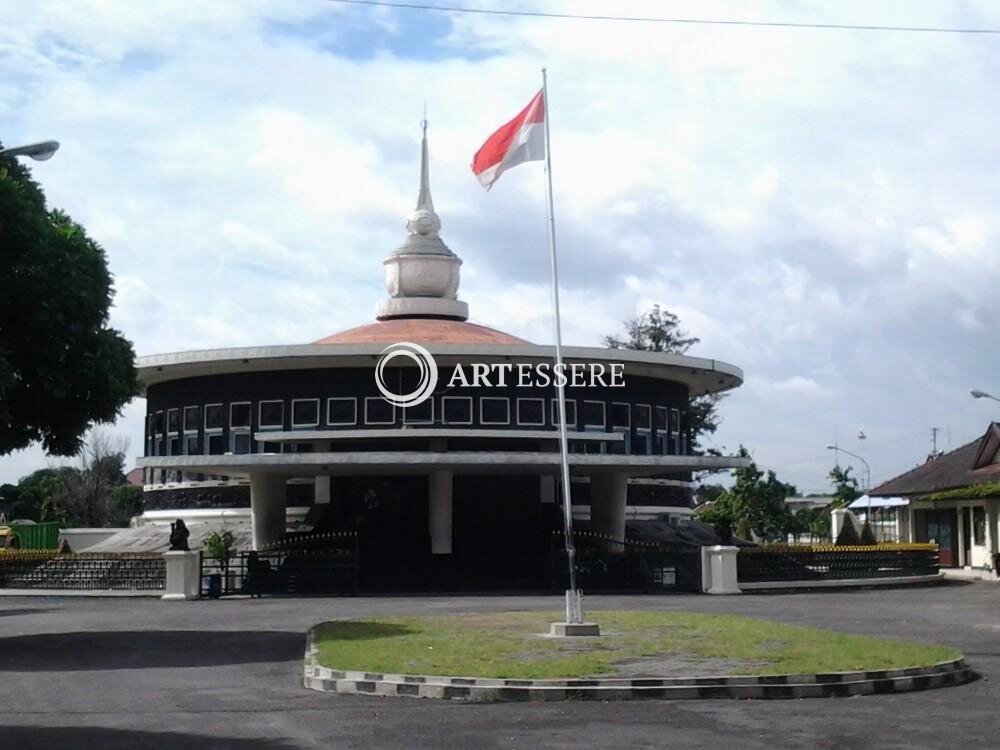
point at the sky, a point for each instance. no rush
(817, 206)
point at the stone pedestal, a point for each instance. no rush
(183, 576)
(574, 624)
(718, 570)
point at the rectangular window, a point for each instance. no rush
(214, 419)
(531, 412)
(494, 410)
(173, 420)
(643, 443)
(621, 422)
(150, 435)
(662, 439)
(341, 411)
(240, 442)
(979, 525)
(215, 444)
(570, 412)
(456, 410)
(272, 415)
(675, 431)
(305, 412)
(379, 411)
(192, 416)
(422, 413)
(239, 414)
(593, 415)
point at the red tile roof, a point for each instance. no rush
(421, 330)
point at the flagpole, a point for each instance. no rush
(574, 610)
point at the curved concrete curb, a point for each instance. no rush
(478, 689)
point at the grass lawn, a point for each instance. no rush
(508, 644)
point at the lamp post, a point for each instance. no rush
(38, 151)
(868, 477)
(983, 394)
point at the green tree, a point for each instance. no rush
(61, 367)
(754, 505)
(659, 330)
(34, 496)
(845, 487)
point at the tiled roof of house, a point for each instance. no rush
(969, 465)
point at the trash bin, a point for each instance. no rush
(211, 585)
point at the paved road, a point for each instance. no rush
(131, 673)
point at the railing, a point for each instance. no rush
(332, 569)
(781, 562)
(108, 571)
(604, 563)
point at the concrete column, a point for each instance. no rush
(267, 509)
(719, 570)
(322, 494)
(608, 495)
(439, 511)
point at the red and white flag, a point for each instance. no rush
(520, 140)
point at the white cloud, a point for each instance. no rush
(817, 206)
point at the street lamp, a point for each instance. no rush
(868, 477)
(37, 151)
(983, 394)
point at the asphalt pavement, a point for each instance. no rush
(98, 674)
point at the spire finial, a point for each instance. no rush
(424, 221)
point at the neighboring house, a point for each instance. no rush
(135, 477)
(955, 502)
(890, 516)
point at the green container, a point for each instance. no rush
(37, 535)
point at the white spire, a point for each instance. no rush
(422, 274)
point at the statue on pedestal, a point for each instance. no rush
(179, 536)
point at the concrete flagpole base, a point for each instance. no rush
(574, 624)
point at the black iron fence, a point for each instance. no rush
(829, 562)
(604, 563)
(333, 569)
(46, 569)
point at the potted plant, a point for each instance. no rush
(222, 546)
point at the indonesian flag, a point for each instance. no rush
(520, 140)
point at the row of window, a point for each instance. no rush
(176, 431)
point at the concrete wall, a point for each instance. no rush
(80, 539)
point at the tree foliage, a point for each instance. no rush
(845, 487)
(61, 367)
(92, 493)
(659, 330)
(754, 506)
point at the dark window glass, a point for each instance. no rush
(642, 443)
(191, 418)
(269, 447)
(175, 446)
(305, 413)
(241, 442)
(661, 418)
(272, 414)
(620, 415)
(191, 444)
(216, 445)
(151, 425)
(239, 415)
(457, 410)
(213, 417)
(378, 411)
(593, 413)
(570, 412)
(341, 411)
(978, 525)
(495, 410)
(303, 448)
(642, 416)
(419, 413)
(173, 420)
(531, 411)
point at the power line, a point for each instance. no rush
(660, 19)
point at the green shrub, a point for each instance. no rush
(221, 545)
(867, 535)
